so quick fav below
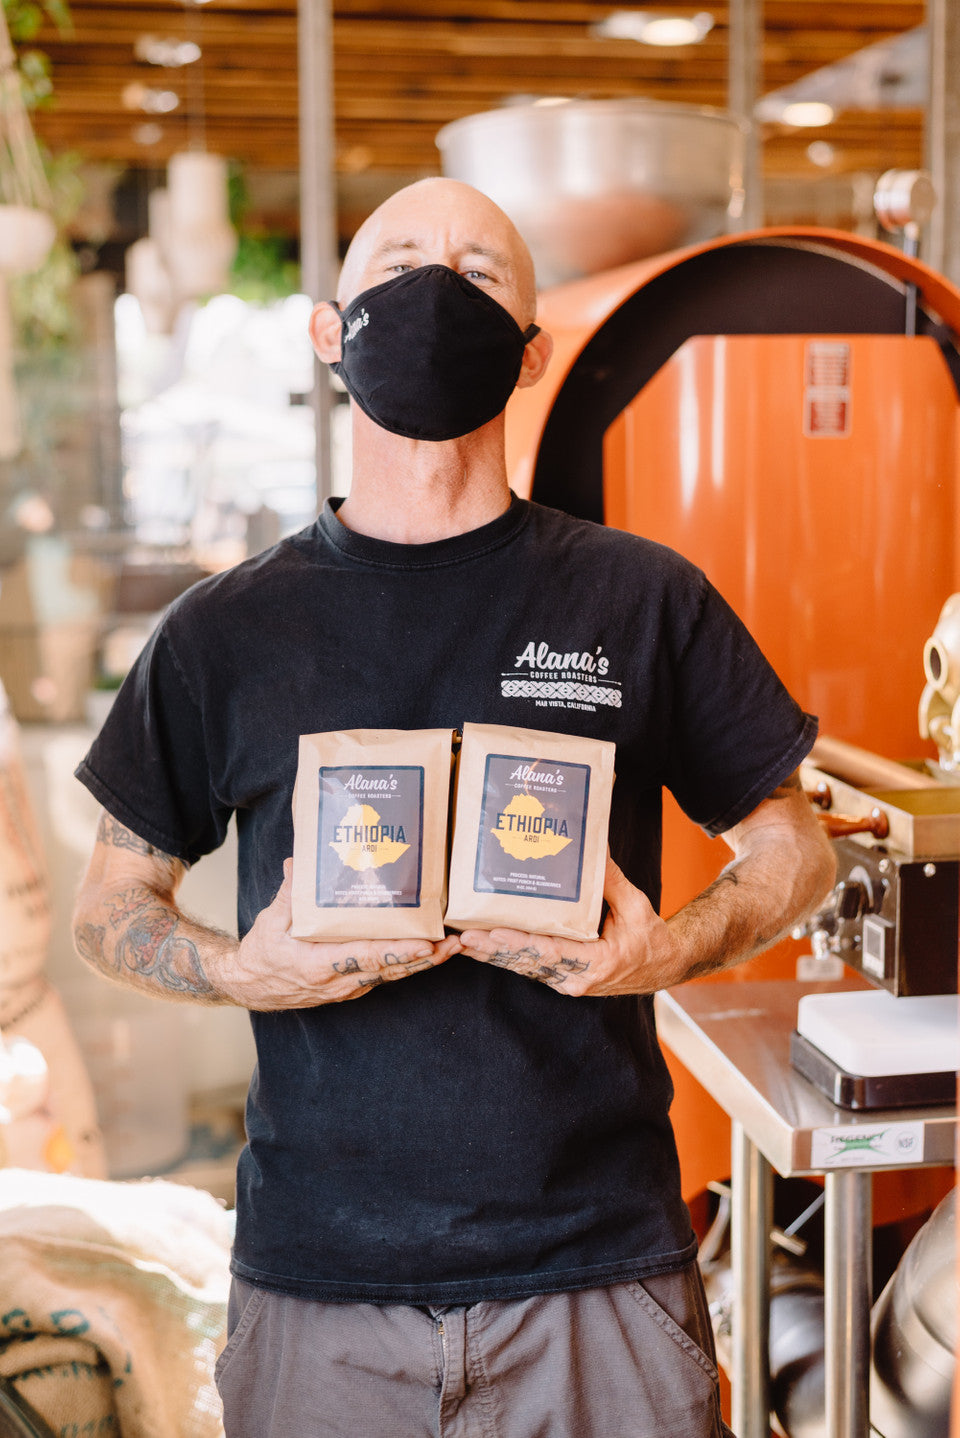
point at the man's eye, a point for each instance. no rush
(400, 268)
(475, 275)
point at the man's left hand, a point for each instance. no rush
(636, 952)
(782, 867)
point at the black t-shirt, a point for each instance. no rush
(465, 1133)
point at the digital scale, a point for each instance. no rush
(893, 916)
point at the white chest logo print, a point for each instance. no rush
(561, 679)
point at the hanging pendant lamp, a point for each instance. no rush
(191, 233)
(147, 275)
(201, 242)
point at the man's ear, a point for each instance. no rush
(536, 357)
(325, 331)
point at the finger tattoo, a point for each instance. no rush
(526, 961)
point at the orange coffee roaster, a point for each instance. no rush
(782, 407)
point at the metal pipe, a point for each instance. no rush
(744, 76)
(911, 247)
(848, 1248)
(751, 1218)
(941, 241)
(865, 769)
(318, 227)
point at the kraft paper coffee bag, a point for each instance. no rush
(530, 831)
(370, 834)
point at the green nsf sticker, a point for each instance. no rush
(869, 1146)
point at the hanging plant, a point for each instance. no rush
(265, 267)
(43, 314)
(25, 17)
(24, 20)
(46, 398)
(35, 191)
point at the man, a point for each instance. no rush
(458, 1209)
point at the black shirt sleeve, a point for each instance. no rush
(153, 749)
(737, 732)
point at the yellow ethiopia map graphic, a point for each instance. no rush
(362, 842)
(523, 833)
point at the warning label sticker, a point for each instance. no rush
(826, 392)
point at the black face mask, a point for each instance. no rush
(428, 355)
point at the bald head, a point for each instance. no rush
(443, 222)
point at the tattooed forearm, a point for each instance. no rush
(756, 939)
(89, 940)
(128, 926)
(146, 940)
(726, 876)
(781, 869)
(790, 786)
(172, 960)
(129, 902)
(711, 964)
(110, 831)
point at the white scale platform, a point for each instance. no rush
(871, 1050)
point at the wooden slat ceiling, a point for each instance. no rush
(404, 69)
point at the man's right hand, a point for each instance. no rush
(127, 926)
(273, 970)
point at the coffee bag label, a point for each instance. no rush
(370, 836)
(532, 827)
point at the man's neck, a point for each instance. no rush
(414, 492)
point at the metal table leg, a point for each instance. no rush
(751, 1218)
(848, 1264)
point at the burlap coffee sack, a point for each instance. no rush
(114, 1292)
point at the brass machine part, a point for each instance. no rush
(922, 822)
(839, 826)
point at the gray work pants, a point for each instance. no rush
(631, 1360)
